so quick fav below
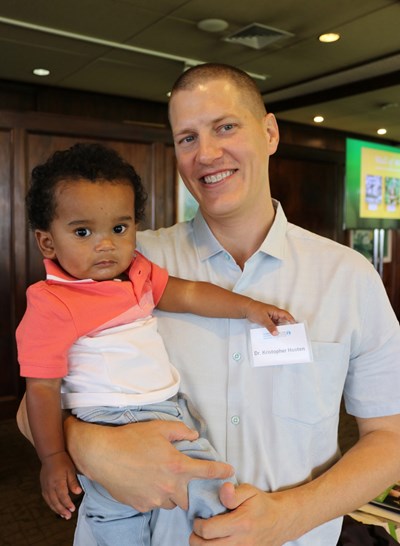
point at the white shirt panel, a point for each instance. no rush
(125, 365)
(278, 425)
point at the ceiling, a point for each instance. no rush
(137, 48)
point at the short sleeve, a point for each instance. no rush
(149, 273)
(159, 280)
(44, 335)
(373, 383)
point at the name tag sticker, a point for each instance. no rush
(291, 346)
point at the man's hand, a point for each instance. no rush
(137, 464)
(272, 519)
(256, 519)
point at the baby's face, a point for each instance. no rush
(93, 234)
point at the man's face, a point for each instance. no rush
(222, 146)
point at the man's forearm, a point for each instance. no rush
(362, 474)
(272, 519)
(85, 442)
(23, 421)
(137, 463)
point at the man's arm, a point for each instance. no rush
(23, 422)
(271, 519)
(136, 463)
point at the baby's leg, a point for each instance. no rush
(112, 522)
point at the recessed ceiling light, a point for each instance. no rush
(329, 37)
(318, 119)
(41, 72)
(381, 131)
(212, 25)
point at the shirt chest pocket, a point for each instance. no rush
(311, 392)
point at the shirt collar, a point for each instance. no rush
(207, 245)
(56, 274)
(274, 244)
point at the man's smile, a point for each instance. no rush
(214, 178)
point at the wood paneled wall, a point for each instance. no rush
(306, 176)
(27, 139)
(8, 376)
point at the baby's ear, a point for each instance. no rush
(45, 243)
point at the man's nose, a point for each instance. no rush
(209, 150)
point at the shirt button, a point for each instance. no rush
(235, 420)
(236, 356)
(226, 256)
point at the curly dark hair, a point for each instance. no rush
(93, 162)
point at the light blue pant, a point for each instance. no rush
(115, 523)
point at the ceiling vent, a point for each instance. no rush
(257, 36)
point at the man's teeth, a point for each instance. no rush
(213, 178)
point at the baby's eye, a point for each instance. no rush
(119, 229)
(83, 232)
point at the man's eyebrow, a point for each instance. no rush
(189, 130)
(184, 131)
(224, 117)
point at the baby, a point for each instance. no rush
(88, 341)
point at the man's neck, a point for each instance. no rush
(243, 236)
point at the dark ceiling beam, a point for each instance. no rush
(334, 93)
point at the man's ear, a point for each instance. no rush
(272, 131)
(45, 243)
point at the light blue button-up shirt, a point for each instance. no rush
(278, 425)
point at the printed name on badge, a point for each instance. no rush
(291, 346)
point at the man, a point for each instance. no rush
(276, 425)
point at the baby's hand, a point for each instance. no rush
(57, 478)
(268, 316)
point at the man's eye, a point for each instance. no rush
(82, 232)
(227, 127)
(187, 139)
(119, 229)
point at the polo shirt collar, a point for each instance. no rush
(274, 244)
(56, 275)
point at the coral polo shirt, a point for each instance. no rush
(99, 336)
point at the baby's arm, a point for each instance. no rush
(206, 299)
(58, 474)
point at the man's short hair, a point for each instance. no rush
(201, 73)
